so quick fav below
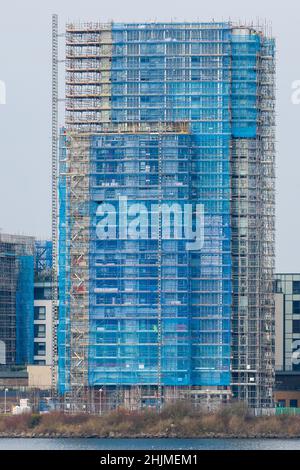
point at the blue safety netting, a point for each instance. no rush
(203, 76)
(24, 310)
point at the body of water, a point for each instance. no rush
(149, 444)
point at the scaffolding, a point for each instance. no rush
(43, 260)
(54, 200)
(167, 113)
(252, 220)
(16, 299)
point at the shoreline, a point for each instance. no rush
(207, 436)
(177, 421)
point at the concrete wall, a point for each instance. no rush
(287, 395)
(48, 338)
(39, 377)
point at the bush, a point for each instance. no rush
(177, 419)
(178, 410)
(34, 420)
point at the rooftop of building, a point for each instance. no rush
(13, 372)
(288, 274)
(13, 238)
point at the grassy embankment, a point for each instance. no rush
(178, 420)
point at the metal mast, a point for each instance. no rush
(159, 267)
(54, 193)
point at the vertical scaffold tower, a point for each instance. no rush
(54, 197)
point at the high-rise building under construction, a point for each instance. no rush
(16, 300)
(178, 116)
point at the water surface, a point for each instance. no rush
(149, 444)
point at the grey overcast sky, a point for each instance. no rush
(25, 126)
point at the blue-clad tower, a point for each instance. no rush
(177, 116)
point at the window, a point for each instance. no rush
(293, 403)
(39, 313)
(296, 326)
(39, 331)
(39, 349)
(296, 306)
(278, 286)
(296, 287)
(42, 293)
(281, 403)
